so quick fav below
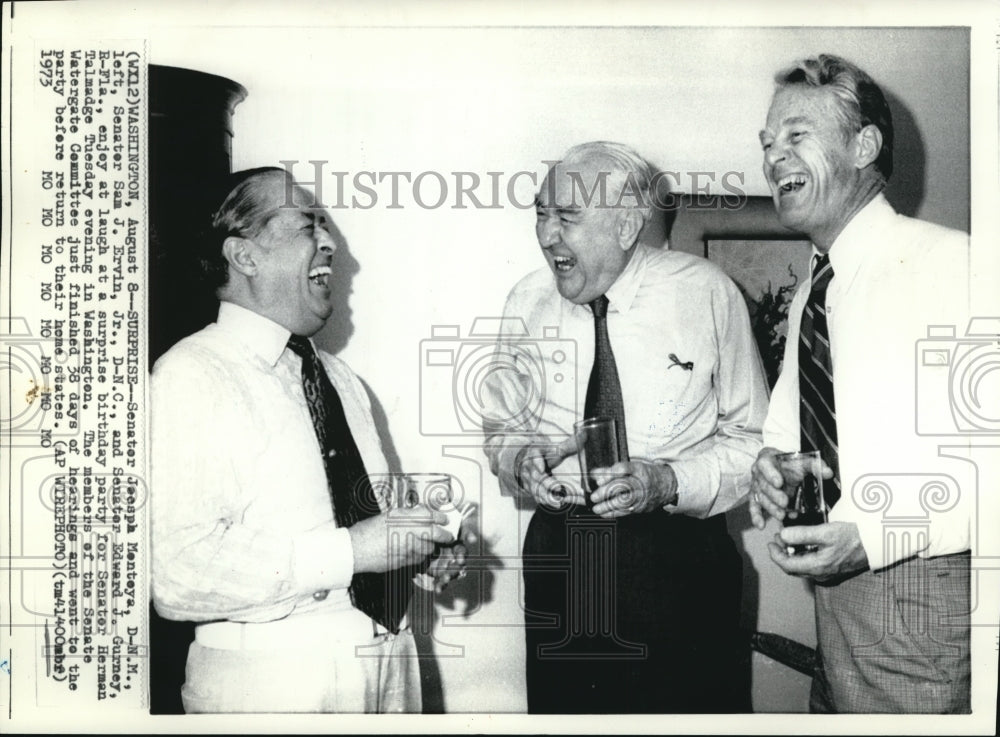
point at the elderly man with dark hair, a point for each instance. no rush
(892, 563)
(632, 593)
(267, 531)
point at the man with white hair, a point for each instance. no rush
(632, 592)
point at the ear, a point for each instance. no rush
(239, 253)
(868, 146)
(629, 226)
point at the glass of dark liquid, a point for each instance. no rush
(803, 483)
(597, 441)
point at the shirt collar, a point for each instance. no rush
(622, 292)
(264, 337)
(855, 241)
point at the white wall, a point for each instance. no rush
(504, 100)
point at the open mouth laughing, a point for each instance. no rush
(320, 275)
(790, 183)
(563, 264)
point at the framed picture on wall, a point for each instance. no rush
(767, 273)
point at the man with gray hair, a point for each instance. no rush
(892, 563)
(632, 591)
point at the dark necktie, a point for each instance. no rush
(604, 390)
(817, 411)
(382, 596)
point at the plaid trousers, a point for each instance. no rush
(895, 641)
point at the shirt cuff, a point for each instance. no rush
(323, 558)
(507, 461)
(507, 471)
(872, 540)
(884, 545)
(692, 498)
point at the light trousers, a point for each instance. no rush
(330, 662)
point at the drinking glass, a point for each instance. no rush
(597, 443)
(434, 491)
(803, 483)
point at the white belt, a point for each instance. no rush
(332, 629)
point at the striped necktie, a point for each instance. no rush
(604, 390)
(817, 410)
(382, 596)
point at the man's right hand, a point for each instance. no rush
(535, 464)
(397, 538)
(765, 489)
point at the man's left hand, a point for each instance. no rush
(633, 487)
(447, 566)
(450, 562)
(840, 553)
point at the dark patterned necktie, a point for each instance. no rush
(604, 390)
(382, 596)
(817, 411)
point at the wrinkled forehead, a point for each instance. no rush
(797, 103)
(278, 191)
(284, 198)
(301, 197)
(569, 185)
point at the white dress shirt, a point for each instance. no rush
(894, 277)
(700, 410)
(243, 526)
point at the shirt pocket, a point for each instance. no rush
(674, 387)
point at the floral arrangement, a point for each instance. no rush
(767, 320)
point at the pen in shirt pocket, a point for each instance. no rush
(675, 361)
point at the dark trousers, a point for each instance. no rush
(635, 615)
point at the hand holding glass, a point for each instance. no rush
(802, 473)
(434, 491)
(597, 440)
